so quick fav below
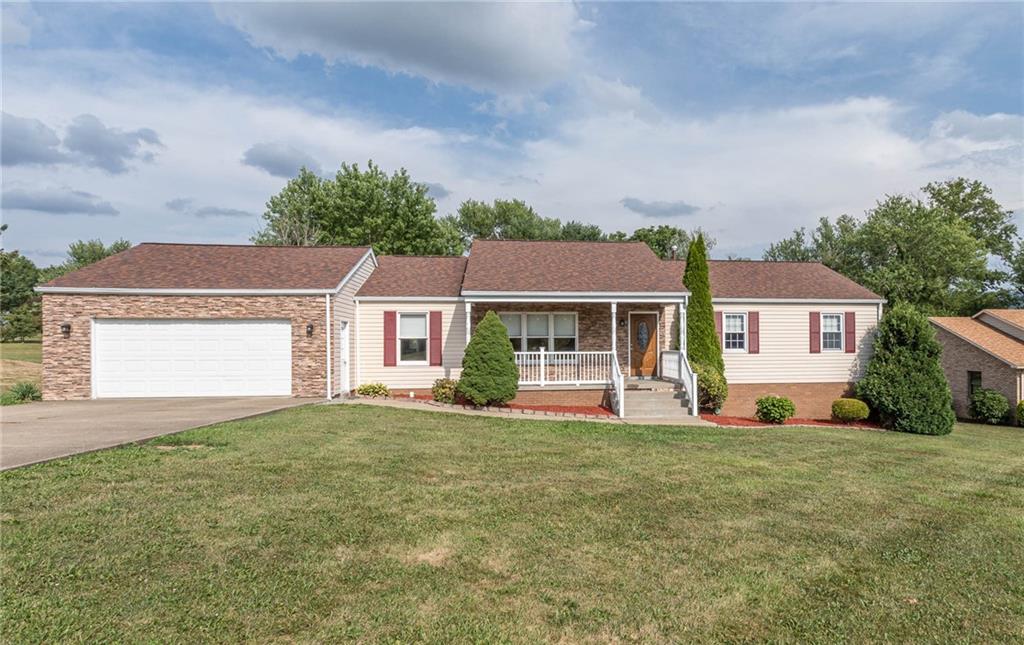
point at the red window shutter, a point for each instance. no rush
(815, 332)
(434, 331)
(754, 332)
(718, 327)
(390, 339)
(850, 331)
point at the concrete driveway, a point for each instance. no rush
(44, 430)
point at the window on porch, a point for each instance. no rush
(557, 332)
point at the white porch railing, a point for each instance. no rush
(619, 390)
(564, 368)
(675, 367)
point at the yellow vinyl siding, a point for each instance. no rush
(785, 355)
(371, 344)
(345, 310)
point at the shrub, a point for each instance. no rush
(373, 389)
(904, 383)
(1020, 413)
(712, 389)
(775, 409)
(444, 390)
(489, 373)
(702, 344)
(21, 392)
(848, 410)
(989, 406)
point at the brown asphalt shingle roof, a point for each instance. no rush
(759, 279)
(989, 339)
(608, 267)
(405, 276)
(1014, 317)
(218, 266)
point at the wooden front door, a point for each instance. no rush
(643, 344)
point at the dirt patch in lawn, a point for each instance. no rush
(12, 372)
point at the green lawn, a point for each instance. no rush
(32, 352)
(363, 523)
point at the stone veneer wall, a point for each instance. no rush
(959, 357)
(67, 361)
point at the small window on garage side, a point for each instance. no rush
(973, 384)
(412, 338)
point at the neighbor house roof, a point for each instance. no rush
(758, 279)
(415, 276)
(1013, 317)
(217, 266)
(988, 339)
(566, 267)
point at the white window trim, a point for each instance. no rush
(551, 327)
(399, 337)
(842, 331)
(746, 333)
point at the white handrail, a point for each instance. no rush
(675, 367)
(620, 389)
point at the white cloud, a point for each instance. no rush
(109, 148)
(55, 201)
(15, 25)
(990, 127)
(279, 159)
(658, 208)
(508, 47)
(29, 141)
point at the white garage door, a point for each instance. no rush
(133, 358)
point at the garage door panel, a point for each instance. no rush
(192, 358)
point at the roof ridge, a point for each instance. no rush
(259, 246)
(484, 239)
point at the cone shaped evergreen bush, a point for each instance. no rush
(489, 373)
(904, 383)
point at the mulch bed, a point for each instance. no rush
(750, 422)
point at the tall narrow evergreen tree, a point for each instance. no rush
(702, 344)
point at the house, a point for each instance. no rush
(983, 351)
(590, 322)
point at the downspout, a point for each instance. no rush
(327, 331)
(355, 333)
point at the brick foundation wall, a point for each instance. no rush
(813, 400)
(545, 396)
(67, 361)
(959, 357)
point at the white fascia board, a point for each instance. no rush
(408, 299)
(355, 267)
(800, 301)
(119, 291)
(666, 298)
(578, 294)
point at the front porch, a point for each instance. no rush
(594, 345)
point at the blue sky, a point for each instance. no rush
(176, 122)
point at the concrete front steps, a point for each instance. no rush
(658, 401)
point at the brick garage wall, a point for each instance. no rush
(813, 400)
(67, 361)
(960, 357)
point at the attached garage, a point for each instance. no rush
(156, 358)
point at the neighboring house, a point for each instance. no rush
(983, 351)
(589, 321)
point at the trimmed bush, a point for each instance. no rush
(20, 393)
(775, 409)
(1020, 413)
(444, 390)
(373, 389)
(989, 406)
(489, 373)
(848, 410)
(702, 344)
(712, 389)
(904, 383)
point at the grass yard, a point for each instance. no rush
(20, 362)
(363, 523)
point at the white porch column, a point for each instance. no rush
(682, 326)
(615, 353)
(469, 320)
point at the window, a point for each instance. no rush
(531, 332)
(832, 332)
(412, 338)
(973, 384)
(735, 332)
